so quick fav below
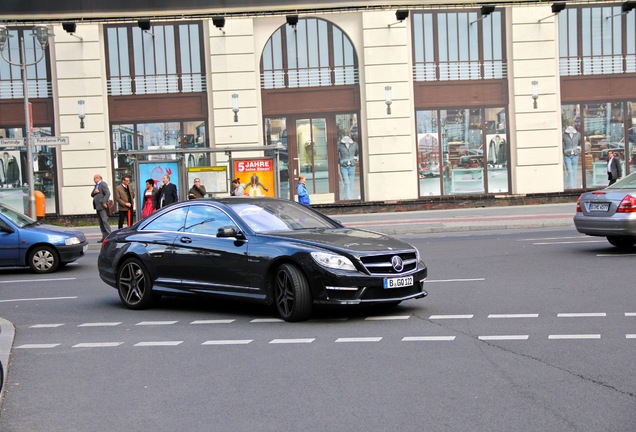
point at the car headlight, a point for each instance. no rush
(333, 261)
(71, 241)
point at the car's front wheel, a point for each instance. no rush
(622, 242)
(291, 294)
(43, 259)
(134, 285)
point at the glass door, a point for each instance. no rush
(312, 160)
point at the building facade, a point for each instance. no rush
(368, 103)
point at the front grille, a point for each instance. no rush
(381, 264)
(379, 293)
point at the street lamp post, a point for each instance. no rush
(42, 35)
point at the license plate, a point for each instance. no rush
(598, 207)
(398, 282)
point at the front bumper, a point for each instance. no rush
(72, 253)
(352, 290)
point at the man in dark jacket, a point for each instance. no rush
(614, 170)
(167, 193)
(101, 195)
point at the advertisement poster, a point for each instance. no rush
(156, 170)
(257, 175)
(213, 178)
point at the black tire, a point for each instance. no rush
(622, 242)
(134, 285)
(291, 294)
(43, 259)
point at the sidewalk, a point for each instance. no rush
(436, 221)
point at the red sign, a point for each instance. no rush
(256, 175)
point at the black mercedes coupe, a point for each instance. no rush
(265, 250)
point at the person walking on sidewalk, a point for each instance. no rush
(614, 170)
(101, 195)
(303, 195)
(124, 195)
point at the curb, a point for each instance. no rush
(7, 334)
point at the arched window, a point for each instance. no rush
(315, 53)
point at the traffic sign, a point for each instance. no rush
(11, 142)
(50, 141)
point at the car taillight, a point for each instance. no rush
(578, 205)
(628, 205)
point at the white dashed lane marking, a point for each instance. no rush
(100, 324)
(38, 346)
(228, 342)
(513, 316)
(156, 323)
(387, 318)
(434, 317)
(574, 336)
(503, 337)
(359, 339)
(46, 326)
(292, 341)
(36, 299)
(428, 338)
(220, 321)
(97, 344)
(158, 343)
(582, 315)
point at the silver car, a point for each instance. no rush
(610, 212)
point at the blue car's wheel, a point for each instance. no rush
(291, 294)
(43, 259)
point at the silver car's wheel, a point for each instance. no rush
(43, 259)
(622, 242)
(134, 285)
(291, 294)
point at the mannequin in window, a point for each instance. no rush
(347, 159)
(571, 150)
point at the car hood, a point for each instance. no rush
(348, 239)
(56, 231)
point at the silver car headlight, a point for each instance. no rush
(333, 261)
(72, 241)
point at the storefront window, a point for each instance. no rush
(276, 134)
(472, 157)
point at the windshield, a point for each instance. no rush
(628, 182)
(15, 216)
(266, 216)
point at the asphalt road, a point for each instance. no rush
(527, 330)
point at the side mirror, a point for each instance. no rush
(5, 228)
(229, 231)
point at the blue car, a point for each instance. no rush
(44, 248)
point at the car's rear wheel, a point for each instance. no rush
(134, 285)
(622, 242)
(43, 259)
(291, 294)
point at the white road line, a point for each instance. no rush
(582, 315)
(615, 255)
(575, 336)
(37, 299)
(156, 323)
(220, 321)
(455, 280)
(387, 317)
(158, 343)
(550, 238)
(228, 342)
(35, 280)
(513, 316)
(360, 339)
(630, 336)
(267, 320)
(630, 314)
(97, 344)
(450, 317)
(38, 346)
(46, 326)
(569, 242)
(503, 337)
(100, 324)
(292, 341)
(427, 338)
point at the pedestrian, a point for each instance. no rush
(237, 188)
(148, 206)
(197, 190)
(167, 193)
(614, 170)
(101, 195)
(125, 196)
(303, 195)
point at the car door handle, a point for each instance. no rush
(186, 240)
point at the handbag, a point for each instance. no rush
(111, 208)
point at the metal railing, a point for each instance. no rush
(458, 71)
(309, 77)
(597, 65)
(156, 84)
